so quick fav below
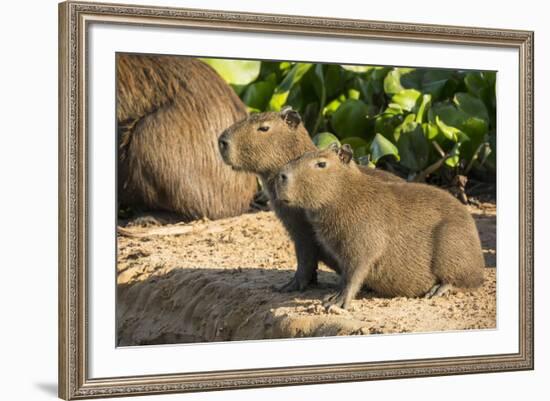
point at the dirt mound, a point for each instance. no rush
(213, 281)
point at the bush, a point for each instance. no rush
(419, 121)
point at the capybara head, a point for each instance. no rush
(264, 142)
(316, 179)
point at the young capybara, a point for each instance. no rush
(398, 239)
(262, 144)
(170, 111)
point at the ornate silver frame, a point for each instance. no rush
(74, 382)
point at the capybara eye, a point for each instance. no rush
(263, 128)
(321, 164)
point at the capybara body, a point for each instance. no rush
(170, 111)
(398, 239)
(262, 144)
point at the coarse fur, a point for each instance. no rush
(398, 239)
(170, 112)
(262, 144)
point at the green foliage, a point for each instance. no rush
(350, 119)
(235, 72)
(410, 118)
(324, 139)
(381, 147)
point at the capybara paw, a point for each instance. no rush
(145, 221)
(337, 300)
(293, 285)
(438, 290)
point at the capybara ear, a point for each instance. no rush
(345, 153)
(291, 117)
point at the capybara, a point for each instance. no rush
(262, 144)
(397, 239)
(170, 111)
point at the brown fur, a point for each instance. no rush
(244, 147)
(398, 239)
(170, 112)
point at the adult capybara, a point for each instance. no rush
(170, 111)
(398, 239)
(262, 144)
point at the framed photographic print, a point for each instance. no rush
(251, 200)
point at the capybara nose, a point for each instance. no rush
(223, 144)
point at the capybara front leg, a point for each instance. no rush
(352, 281)
(307, 253)
(306, 272)
(306, 247)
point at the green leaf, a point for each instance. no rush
(350, 119)
(334, 80)
(434, 81)
(285, 65)
(366, 161)
(381, 147)
(295, 98)
(411, 78)
(321, 91)
(360, 152)
(450, 132)
(471, 105)
(475, 128)
(430, 130)
(393, 109)
(280, 95)
(355, 142)
(392, 82)
(235, 72)
(377, 78)
(413, 147)
(475, 83)
(270, 71)
(353, 94)
(257, 95)
(357, 68)
(404, 126)
(318, 80)
(448, 113)
(406, 99)
(386, 123)
(331, 107)
(424, 104)
(490, 77)
(380, 73)
(324, 139)
(454, 159)
(470, 126)
(366, 88)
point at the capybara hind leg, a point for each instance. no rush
(438, 290)
(458, 258)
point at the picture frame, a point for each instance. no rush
(75, 20)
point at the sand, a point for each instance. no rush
(213, 281)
